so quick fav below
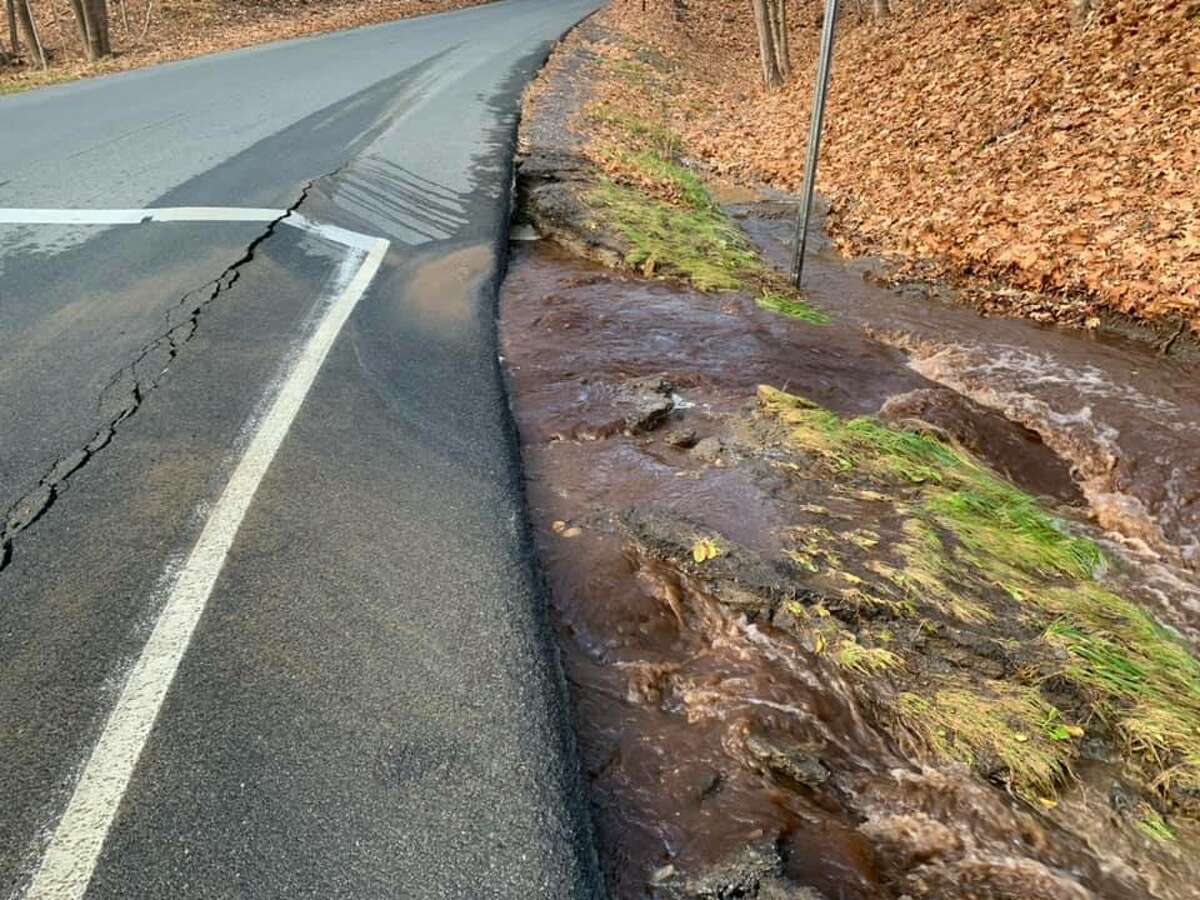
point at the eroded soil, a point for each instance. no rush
(860, 595)
(714, 731)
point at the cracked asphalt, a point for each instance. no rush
(369, 705)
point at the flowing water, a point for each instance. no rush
(1125, 419)
(686, 710)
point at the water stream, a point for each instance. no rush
(683, 707)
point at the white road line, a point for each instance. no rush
(333, 233)
(75, 844)
(137, 216)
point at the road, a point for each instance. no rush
(270, 623)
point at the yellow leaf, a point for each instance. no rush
(704, 550)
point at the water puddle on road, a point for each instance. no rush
(724, 754)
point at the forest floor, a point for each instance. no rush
(859, 594)
(1049, 169)
(148, 32)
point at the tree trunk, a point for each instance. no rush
(99, 15)
(783, 54)
(881, 9)
(80, 22)
(767, 53)
(29, 27)
(14, 36)
(1080, 10)
(92, 16)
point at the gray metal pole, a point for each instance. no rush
(814, 138)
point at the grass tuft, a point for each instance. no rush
(699, 244)
(793, 309)
(852, 655)
(1153, 826)
(974, 545)
(1008, 725)
(639, 132)
(668, 180)
(991, 516)
(861, 443)
(1139, 673)
(928, 573)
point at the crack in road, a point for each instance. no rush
(127, 389)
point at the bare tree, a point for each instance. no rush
(766, 19)
(80, 21)
(880, 9)
(146, 23)
(783, 54)
(92, 18)
(29, 27)
(14, 36)
(100, 14)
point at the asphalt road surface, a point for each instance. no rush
(269, 621)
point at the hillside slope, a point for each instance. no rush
(1056, 167)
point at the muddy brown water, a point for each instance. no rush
(672, 690)
(1124, 418)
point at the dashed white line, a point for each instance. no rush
(70, 858)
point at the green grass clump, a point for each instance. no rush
(972, 545)
(667, 179)
(640, 131)
(793, 309)
(636, 71)
(928, 574)
(1007, 724)
(1155, 827)
(699, 244)
(1141, 676)
(861, 443)
(852, 655)
(991, 516)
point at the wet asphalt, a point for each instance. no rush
(370, 705)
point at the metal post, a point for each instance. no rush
(814, 138)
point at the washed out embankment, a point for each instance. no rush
(832, 628)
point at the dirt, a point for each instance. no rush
(714, 582)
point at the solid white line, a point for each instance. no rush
(70, 859)
(137, 216)
(332, 233)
